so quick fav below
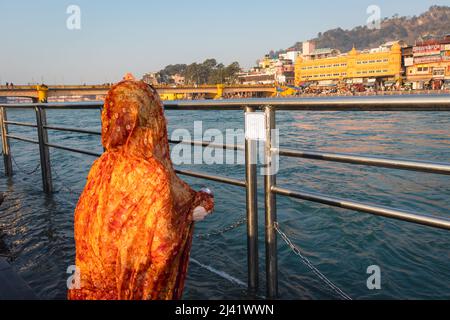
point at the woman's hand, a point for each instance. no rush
(204, 205)
(200, 214)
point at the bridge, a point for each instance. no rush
(98, 92)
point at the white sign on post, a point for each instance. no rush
(255, 126)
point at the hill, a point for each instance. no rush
(434, 22)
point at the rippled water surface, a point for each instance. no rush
(36, 231)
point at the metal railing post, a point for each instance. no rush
(5, 143)
(252, 212)
(41, 121)
(270, 206)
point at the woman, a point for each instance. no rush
(134, 219)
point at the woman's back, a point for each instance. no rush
(134, 219)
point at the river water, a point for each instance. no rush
(36, 231)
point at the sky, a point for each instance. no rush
(140, 36)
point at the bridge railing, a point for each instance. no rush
(272, 153)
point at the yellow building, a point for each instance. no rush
(385, 64)
(266, 62)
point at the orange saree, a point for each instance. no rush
(133, 221)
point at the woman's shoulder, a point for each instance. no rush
(148, 168)
(123, 173)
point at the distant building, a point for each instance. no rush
(266, 72)
(308, 47)
(272, 71)
(151, 78)
(322, 53)
(266, 63)
(257, 76)
(285, 72)
(429, 66)
(388, 45)
(329, 66)
(291, 54)
(407, 59)
(310, 52)
(178, 79)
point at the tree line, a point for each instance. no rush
(207, 72)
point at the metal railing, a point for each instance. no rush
(272, 152)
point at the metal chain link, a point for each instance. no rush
(63, 187)
(229, 228)
(7, 193)
(305, 260)
(22, 170)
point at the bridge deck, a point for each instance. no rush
(98, 90)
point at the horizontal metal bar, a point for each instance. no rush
(353, 103)
(203, 105)
(392, 103)
(21, 124)
(423, 166)
(380, 103)
(186, 173)
(168, 105)
(212, 178)
(22, 139)
(441, 223)
(88, 105)
(86, 152)
(76, 130)
(208, 144)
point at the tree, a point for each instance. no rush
(191, 74)
(207, 72)
(165, 75)
(231, 72)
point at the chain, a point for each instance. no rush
(63, 187)
(305, 260)
(233, 226)
(22, 170)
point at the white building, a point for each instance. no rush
(290, 55)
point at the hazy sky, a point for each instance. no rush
(141, 36)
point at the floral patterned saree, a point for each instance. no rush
(133, 221)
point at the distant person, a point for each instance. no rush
(134, 220)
